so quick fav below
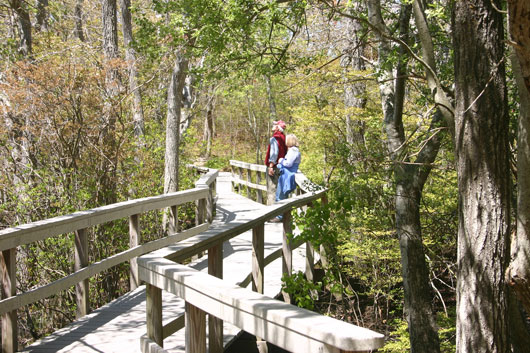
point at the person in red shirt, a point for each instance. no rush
(277, 148)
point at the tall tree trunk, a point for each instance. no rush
(24, 23)
(518, 275)
(482, 150)
(42, 15)
(409, 179)
(442, 101)
(208, 121)
(272, 103)
(130, 56)
(354, 92)
(110, 109)
(174, 107)
(78, 18)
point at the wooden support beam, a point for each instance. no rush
(249, 179)
(173, 220)
(258, 258)
(271, 188)
(195, 329)
(287, 252)
(258, 191)
(8, 266)
(200, 211)
(240, 174)
(309, 262)
(210, 203)
(215, 325)
(81, 261)
(153, 308)
(134, 240)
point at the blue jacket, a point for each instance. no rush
(288, 167)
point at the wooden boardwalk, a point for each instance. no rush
(118, 326)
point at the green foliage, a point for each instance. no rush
(302, 291)
(400, 340)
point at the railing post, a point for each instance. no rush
(200, 214)
(9, 288)
(272, 181)
(173, 220)
(258, 191)
(153, 308)
(195, 329)
(210, 204)
(249, 180)
(232, 170)
(258, 262)
(134, 237)
(215, 325)
(309, 262)
(81, 261)
(322, 251)
(287, 252)
(240, 173)
(309, 258)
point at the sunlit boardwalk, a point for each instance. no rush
(118, 326)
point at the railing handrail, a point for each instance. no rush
(39, 230)
(78, 222)
(287, 326)
(216, 235)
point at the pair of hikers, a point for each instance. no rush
(282, 161)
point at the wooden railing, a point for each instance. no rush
(287, 326)
(253, 178)
(79, 223)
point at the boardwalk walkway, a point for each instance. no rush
(117, 326)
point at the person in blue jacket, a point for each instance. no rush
(288, 167)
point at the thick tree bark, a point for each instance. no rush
(518, 275)
(483, 178)
(519, 17)
(174, 107)
(24, 23)
(110, 109)
(130, 56)
(354, 92)
(78, 18)
(410, 179)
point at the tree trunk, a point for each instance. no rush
(208, 121)
(174, 105)
(409, 179)
(24, 23)
(442, 101)
(110, 109)
(354, 92)
(78, 18)
(518, 274)
(42, 15)
(130, 56)
(482, 150)
(272, 103)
